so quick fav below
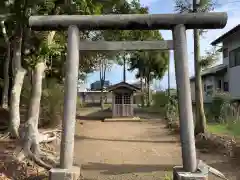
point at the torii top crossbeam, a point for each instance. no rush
(129, 21)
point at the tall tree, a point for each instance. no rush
(211, 57)
(32, 50)
(200, 126)
(6, 67)
(169, 78)
(150, 65)
(134, 7)
(189, 6)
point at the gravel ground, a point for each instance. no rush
(134, 150)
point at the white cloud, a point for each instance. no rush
(147, 2)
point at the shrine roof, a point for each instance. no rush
(123, 85)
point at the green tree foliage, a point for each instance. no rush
(211, 57)
(149, 65)
(184, 6)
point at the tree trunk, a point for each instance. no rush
(200, 124)
(15, 102)
(142, 92)
(148, 92)
(32, 137)
(32, 134)
(168, 78)
(6, 78)
(19, 74)
(102, 95)
(103, 68)
(6, 68)
(124, 69)
(145, 91)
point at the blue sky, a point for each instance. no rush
(167, 6)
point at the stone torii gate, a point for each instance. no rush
(177, 23)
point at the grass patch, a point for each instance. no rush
(219, 129)
(154, 109)
(224, 129)
(168, 176)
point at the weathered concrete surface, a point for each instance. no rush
(179, 174)
(65, 174)
(134, 150)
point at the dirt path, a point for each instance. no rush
(133, 150)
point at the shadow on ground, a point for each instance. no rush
(41, 177)
(228, 167)
(77, 137)
(94, 114)
(115, 169)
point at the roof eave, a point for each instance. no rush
(226, 35)
(130, 86)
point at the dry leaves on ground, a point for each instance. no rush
(11, 169)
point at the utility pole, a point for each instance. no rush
(169, 79)
(124, 68)
(200, 115)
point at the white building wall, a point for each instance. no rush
(233, 76)
(208, 81)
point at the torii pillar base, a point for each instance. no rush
(179, 174)
(63, 174)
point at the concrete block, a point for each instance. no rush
(65, 174)
(179, 174)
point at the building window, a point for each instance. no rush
(127, 99)
(209, 87)
(209, 91)
(205, 87)
(219, 84)
(118, 99)
(225, 52)
(234, 58)
(225, 86)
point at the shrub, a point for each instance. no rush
(219, 104)
(52, 100)
(160, 99)
(51, 104)
(226, 112)
(172, 109)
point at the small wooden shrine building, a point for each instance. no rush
(122, 99)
